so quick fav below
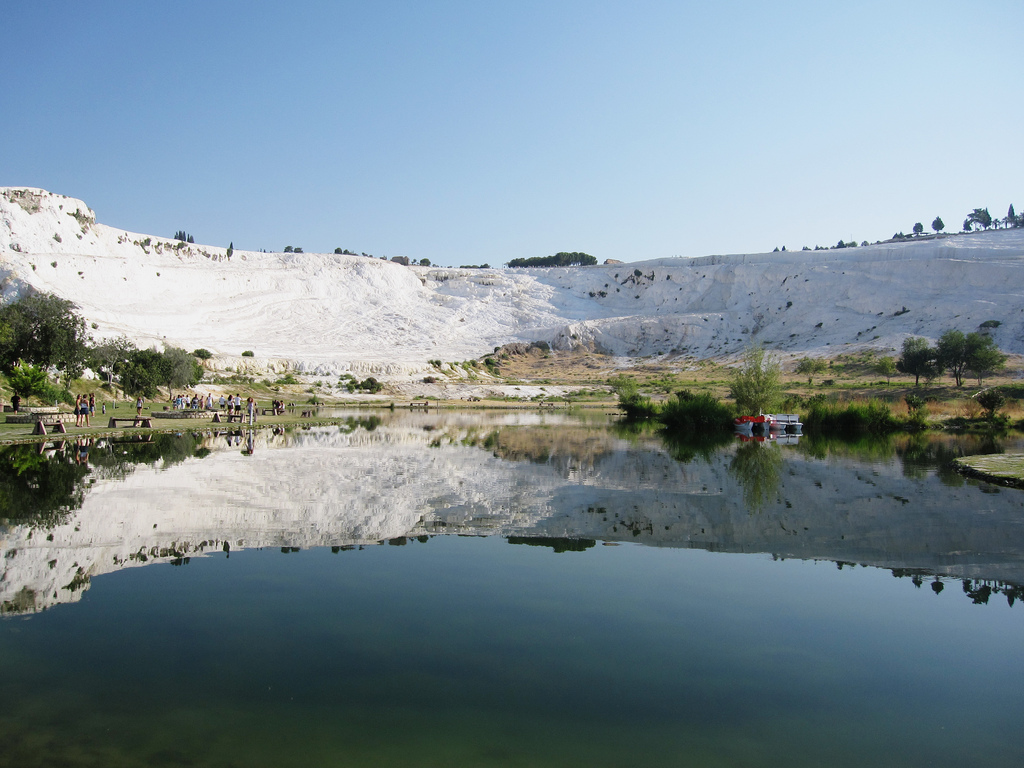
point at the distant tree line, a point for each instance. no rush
(183, 236)
(560, 259)
(979, 218)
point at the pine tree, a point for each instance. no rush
(937, 225)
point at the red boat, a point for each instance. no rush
(761, 422)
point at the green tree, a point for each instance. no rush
(981, 217)
(108, 357)
(983, 356)
(179, 368)
(951, 354)
(44, 330)
(757, 383)
(917, 359)
(1011, 217)
(937, 224)
(28, 380)
(919, 228)
(809, 366)
(886, 366)
(141, 373)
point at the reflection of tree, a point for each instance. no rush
(40, 489)
(687, 446)
(758, 468)
(978, 590)
(871, 447)
(36, 488)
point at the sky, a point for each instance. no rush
(469, 132)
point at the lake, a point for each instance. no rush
(507, 589)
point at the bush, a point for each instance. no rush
(851, 418)
(202, 354)
(248, 353)
(702, 411)
(370, 384)
(991, 400)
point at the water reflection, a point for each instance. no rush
(758, 468)
(550, 479)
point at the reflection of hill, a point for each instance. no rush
(363, 484)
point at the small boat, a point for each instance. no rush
(761, 423)
(767, 422)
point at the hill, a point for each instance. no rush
(327, 314)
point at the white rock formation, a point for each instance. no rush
(327, 314)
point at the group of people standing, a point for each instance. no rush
(85, 409)
(195, 403)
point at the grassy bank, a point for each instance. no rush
(1002, 468)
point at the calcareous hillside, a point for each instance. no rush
(327, 314)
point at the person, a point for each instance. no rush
(251, 404)
(231, 405)
(92, 404)
(85, 411)
(15, 403)
(222, 401)
(209, 401)
(82, 456)
(138, 406)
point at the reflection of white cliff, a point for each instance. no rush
(430, 475)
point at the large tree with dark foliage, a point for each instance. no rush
(45, 330)
(917, 359)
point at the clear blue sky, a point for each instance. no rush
(470, 132)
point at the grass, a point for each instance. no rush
(1007, 468)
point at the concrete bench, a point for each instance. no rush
(56, 425)
(136, 421)
(229, 417)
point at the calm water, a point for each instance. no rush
(507, 590)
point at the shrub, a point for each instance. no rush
(202, 354)
(702, 411)
(991, 400)
(851, 418)
(370, 384)
(248, 353)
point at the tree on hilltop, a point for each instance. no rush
(919, 228)
(981, 217)
(937, 225)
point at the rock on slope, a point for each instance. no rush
(327, 314)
